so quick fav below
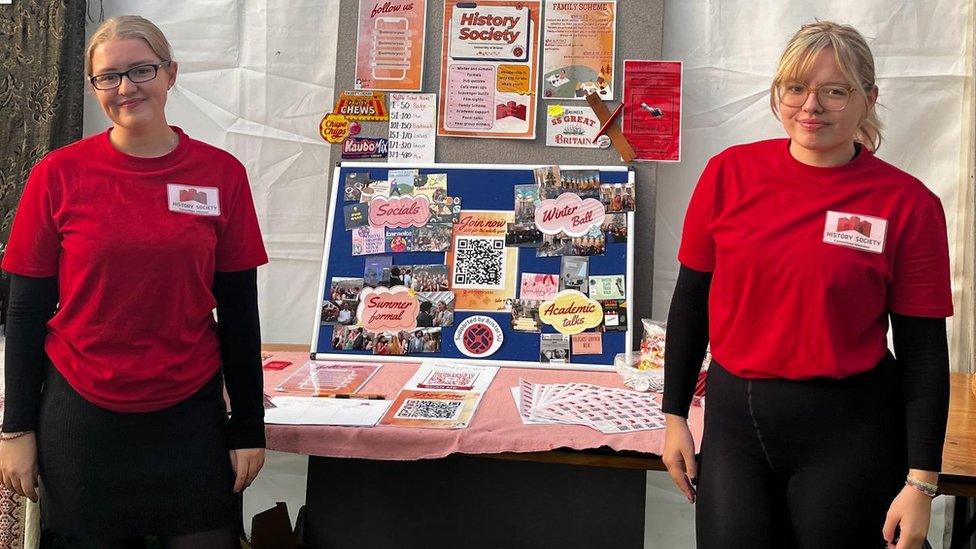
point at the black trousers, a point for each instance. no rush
(806, 464)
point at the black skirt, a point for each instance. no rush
(110, 475)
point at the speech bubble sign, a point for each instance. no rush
(384, 309)
(401, 211)
(571, 312)
(569, 214)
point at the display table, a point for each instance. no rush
(438, 487)
(499, 480)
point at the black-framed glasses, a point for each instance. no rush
(832, 97)
(136, 75)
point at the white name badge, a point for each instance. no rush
(194, 200)
(858, 231)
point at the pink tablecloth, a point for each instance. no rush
(496, 426)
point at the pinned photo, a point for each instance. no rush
(607, 287)
(525, 315)
(555, 245)
(614, 315)
(368, 240)
(584, 183)
(347, 312)
(615, 227)
(374, 188)
(573, 273)
(353, 188)
(618, 197)
(433, 237)
(538, 286)
(391, 344)
(554, 348)
(526, 199)
(355, 215)
(399, 240)
(439, 310)
(548, 181)
(424, 340)
(432, 185)
(523, 235)
(375, 270)
(343, 288)
(352, 338)
(593, 243)
(401, 182)
(447, 210)
(426, 278)
(394, 275)
(330, 313)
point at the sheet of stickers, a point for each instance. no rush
(509, 265)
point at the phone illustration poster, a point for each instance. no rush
(489, 69)
(390, 47)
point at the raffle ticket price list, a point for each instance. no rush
(412, 127)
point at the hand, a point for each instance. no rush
(246, 462)
(18, 465)
(910, 512)
(679, 455)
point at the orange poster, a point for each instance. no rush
(483, 270)
(489, 69)
(578, 52)
(390, 50)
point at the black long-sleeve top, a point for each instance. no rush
(920, 348)
(33, 301)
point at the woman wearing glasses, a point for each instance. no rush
(123, 244)
(795, 254)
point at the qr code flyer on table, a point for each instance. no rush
(432, 409)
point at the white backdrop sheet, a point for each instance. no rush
(730, 50)
(255, 78)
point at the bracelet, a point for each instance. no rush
(11, 436)
(930, 490)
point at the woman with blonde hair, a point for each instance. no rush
(796, 254)
(122, 246)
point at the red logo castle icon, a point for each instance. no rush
(854, 223)
(188, 195)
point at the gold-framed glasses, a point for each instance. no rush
(832, 97)
(136, 75)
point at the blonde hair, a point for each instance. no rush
(128, 26)
(853, 57)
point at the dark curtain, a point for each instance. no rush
(41, 92)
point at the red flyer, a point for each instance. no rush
(652, 109)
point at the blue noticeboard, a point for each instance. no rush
(480, 187)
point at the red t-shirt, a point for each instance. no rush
(134, 243)
(807, 262)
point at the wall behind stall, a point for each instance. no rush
(639, 36)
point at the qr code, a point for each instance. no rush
(423, 408)
(479, 262)
(449, 380)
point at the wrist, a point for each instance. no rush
(928, 489)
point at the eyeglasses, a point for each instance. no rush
(832, 97)
(136, 75)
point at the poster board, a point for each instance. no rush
(481, 188)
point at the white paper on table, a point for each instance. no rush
(356, 412)
(526, 420)
(452, 377)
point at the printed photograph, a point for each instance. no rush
(584, 183)
(523, 235)
(434, 237)
(573, 273)
(525, 315)
(614, 315)
(426, 278)
(618, 197)
(373, 188)
(548, 181)
(391, 344)
(353, 188)
(615, 227)
(399, 240)
(526, 199)
(401, 182)
(330, 313)
(351, 338)
(447, 210)
(347, 312)
(424, 340)
(343, 288)
(555, 245)
(436, 309)
(376, 268)
(553, 348)
(593, 243)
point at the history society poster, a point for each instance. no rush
(489, 66)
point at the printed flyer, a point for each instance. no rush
(390, 50)
(489, 66)
(652, 109)
(483, 271)
(574, 127)
(578, 52)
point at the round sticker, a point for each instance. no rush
(478, 336)
(334, 128)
